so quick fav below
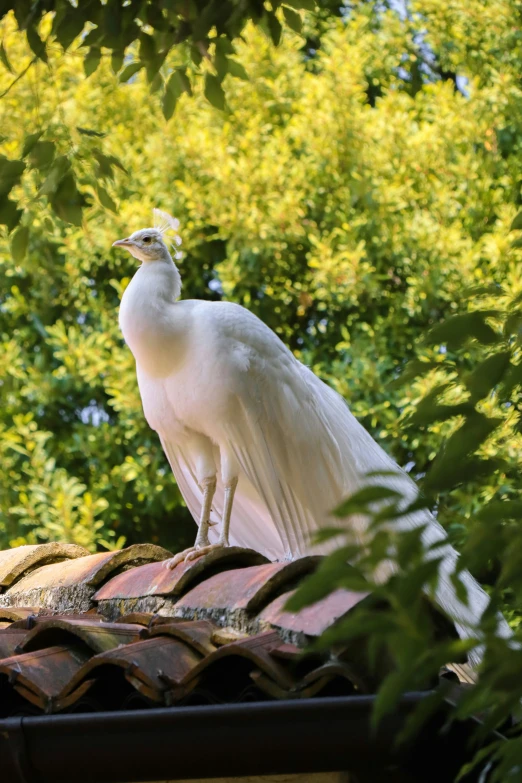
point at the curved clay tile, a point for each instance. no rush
(18, 561)
(197, 633)
(16, 614)
(245, 589)
(152, 666)
(42, 676)
(155, 579)
(90, 570)
(97, 636)
(314, 619)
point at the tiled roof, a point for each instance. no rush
(117, 631)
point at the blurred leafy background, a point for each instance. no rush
(347, 194)
(349, 172)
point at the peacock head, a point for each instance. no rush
(150, 244)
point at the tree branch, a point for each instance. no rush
(17, 79)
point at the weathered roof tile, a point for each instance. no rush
(98, 636)
(19, 560)
(152, 666)
(199, 634)
(9, 641)
(42, 676)
(256, 650)
(247, 589)
(90, 570)
(156, 579)
(17, 613)
(205, 638)
(314, 619)
(69, 585)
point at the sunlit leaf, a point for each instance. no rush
(453, 464)
(42, 154)
(512, 378)
(19, 242)
(130, 70)
(105, 198)
(10, 214)
(455, 331)
(501, 510)
(517, 222)
(214, 91)
(333, 571)
(29, 142)
(236, 69)
(117, 58)
(67, 201)
(91, 132)
(168, 103)
(36, 44)
(60, 166)
(69, 28)
(221, 65)
(413, 369)
(307, 5)
(487, 375)
(92, 61)
(10, 173)
(274, 27)
(429, 409)
(293, 19)
(4, 58)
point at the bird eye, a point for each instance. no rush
(147, 239)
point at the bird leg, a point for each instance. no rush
(202, 544)
(230, 489)
(209, 488)
(195, 552)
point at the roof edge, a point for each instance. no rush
(36, 748)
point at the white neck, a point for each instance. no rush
(164, 269)
(148, 317)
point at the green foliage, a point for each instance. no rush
(341, 186)
(198, 36)
(490, 384)
(341, 220)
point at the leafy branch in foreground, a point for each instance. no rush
(134, 36)
(476, 392)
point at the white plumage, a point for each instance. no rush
(233, 406)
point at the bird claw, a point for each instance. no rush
(200, 551)
(190, 554)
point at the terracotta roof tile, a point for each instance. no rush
(37, 616)
(152, 666)
(12, 614)
(10, 639)
(198, 634)
(247, 589)
(315, 619)
(16, 562)
(155, 579)
(97, 636)
(89, 570)
(73, 582)
(213, 630)
(257, 651)
(43, 675)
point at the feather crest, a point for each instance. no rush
(165, 223)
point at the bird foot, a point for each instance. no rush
(191, 554)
